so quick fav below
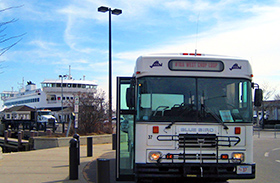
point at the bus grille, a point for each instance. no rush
(197, 156)
(197, 141)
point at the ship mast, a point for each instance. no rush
(69, 76)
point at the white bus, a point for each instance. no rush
(185, 116)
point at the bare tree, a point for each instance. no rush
(93, 110)
(8, 41)
(268, 90)
(277, 96)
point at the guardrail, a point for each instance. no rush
(275, 130)
(277, 126)
(11, 144)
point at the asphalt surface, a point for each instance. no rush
(49, 165)
(52, 165)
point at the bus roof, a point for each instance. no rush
(189, 64)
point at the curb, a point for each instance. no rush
(47, 142)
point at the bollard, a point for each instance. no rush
(89, 146)
(6, 136)
(45, 126)
(9, 133)
(32, 134)
(103, 171)
(49, 132)
(76, 136)
(114, 141)
(53, 127)
(73, 161)
(5, 140)
(19, 140)
(63, 127)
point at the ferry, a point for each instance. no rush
(54, 94)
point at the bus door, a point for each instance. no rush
(125, 129)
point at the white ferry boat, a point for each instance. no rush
(51, 95)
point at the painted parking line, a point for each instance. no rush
(266, 154)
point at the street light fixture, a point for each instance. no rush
(62, 76)
(104, 9)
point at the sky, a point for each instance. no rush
(59, 33)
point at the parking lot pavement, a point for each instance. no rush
(46, 165)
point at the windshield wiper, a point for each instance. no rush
(168, 126)
(216, 117)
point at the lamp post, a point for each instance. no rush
(104, 9)
(62, 76)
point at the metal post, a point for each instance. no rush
(54, 126)
(48, 132)
(6, 136)
(110, 71)
(114, 141)
(115, 12)
(5, 140)
(76, 136)
(103, 171)
(63, 127)
(19, 140)
(73, 161)
(32, 134)
(9, 133)
(89, 146)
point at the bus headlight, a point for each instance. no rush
(238, 157)
(154, 155)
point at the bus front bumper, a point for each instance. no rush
(195, 170)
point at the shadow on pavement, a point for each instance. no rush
(91, 169)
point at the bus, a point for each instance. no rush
(186, 116)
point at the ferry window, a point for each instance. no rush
(69, 85)
(83, 86)
(53, 85)
(64, 85)
(79, 85)
(58, 85)
(51, 97)
(74, 85)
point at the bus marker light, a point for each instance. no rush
(169, 156)
(155, 129)
(193, 54)
(237, 130)
(224, 156)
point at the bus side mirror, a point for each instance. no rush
(130, 97)
(258, 97)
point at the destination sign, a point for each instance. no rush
(194, 65)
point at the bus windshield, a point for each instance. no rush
(186, 99)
